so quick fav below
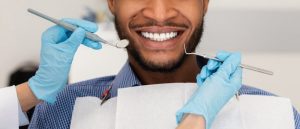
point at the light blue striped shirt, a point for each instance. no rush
(58, 115)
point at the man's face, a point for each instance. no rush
(158, 29)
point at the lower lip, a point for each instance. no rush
(160, 45)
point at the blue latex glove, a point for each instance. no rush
(218, 82)
(57, 51)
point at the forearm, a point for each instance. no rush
(192, 122)
(26, 97)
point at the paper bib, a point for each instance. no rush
(155, 106)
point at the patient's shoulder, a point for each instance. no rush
(88, 87)
(92, 87)
(249, 90)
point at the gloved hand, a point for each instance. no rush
(218, 82)
(57, 51)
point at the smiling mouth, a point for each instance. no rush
(159, 33)
(159, 37)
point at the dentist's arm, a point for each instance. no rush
(57, 51)
(218, 82)
(191, 121)
(26, 98)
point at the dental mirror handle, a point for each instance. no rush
(72, 28)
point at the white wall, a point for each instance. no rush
(20, 31)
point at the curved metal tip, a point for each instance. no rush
(184, 49)
(189, 53)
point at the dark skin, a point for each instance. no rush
(133, 17)
(187, 73)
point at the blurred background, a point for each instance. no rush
(267, 32)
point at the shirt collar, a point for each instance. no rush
(125, 78)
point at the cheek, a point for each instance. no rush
(162, 57)
(192, 10)
(127, 9)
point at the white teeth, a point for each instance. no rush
(159, 37)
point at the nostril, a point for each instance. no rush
(160, 14)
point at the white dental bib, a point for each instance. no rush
(155, 106)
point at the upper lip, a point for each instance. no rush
(160, 29)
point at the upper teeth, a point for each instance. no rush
(159, 36)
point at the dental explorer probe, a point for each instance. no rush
(119, 44)
(242, 65)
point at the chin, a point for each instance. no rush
(160, 63)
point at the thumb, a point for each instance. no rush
(236, 78)
(77, 37)
(87, 25)
(203, 75)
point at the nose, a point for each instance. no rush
(159, 10)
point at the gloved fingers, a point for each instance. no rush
(229, 66)
(236, 77)
(92, 44)
(87, 25)
(199, 80)
(57, 34)
(210, 68)
(76, 37)
(212, 65)
(204, 72)
(223, 55)
(54, 34)
(202, 76)
(207, 70)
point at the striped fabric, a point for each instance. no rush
(58, 115)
